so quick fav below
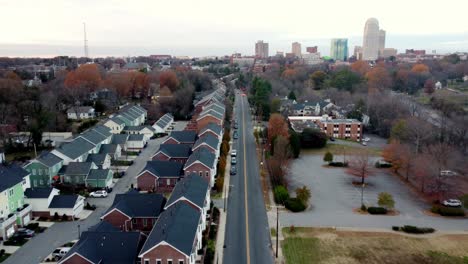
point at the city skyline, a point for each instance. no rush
(191, 30)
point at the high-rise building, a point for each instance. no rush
(358, 52)
(381, 41)
(389, 52)
(296, 49)
(313, 49)
(261, 49)
(371, 41)
(339, 49)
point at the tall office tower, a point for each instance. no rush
(381, 41)
(339, 49)
(313, 49)
(261, 49)
(370, 45)
(296, 49)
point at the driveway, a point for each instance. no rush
(43, 244)
(334, 197)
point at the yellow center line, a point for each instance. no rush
(246, 206)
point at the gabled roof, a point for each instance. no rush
(210, 112)
(215, 107)
(78, 168)
(164, 168)
(106, 247)
(192, 188)
(203, 156)
(138, 128)
(207, 139)
(11, 175)
(164, 121)
(117, 120)
(80, 109)
(176, 226)
(38, 193)
(104, 226)
(138, 204)
(76, 148)
(217, 129)
(48, 159)
(98, 174)
(175, 150)
(97, 159)
(135, 137)
(92, 136)
(103, 130)
(108, 148)
(185, 136)
(64, 201)
(119, 139)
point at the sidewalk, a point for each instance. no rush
(271, 215)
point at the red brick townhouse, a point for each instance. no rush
(173, 152)
(159, 176)
(187, 137)
(202, 163)
(175, 238)
(208, 142)
(134, 211)
(209, 116)
(212, 129)
(342, 128)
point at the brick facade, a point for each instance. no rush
(343, 129)
(204, 121)
(164, 253)
(162, 157)
(76, 259)
(117, 219)
(148, 182)
(199, 169)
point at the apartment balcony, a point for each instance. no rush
(26, 209)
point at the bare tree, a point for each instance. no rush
(278, 164)
(359, 165)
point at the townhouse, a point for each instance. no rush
(212, 129)
(181, 137)
(43, 169)
(209, 143)
(163, 124)
(159, 176)
(172, 152)
(202, 163)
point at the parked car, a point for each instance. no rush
(59, 253)
(364, 143)
(233, 170)
(98, 194)
(233, 153)
(447, 173)
(235, 136)
(366, 139)
(24, 233)
(452, 203)
(233, 160)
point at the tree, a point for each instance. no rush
(278, 163)
(295, 143)
(328, 157)
(345, 79)
(318, 78)
(168, 79)
(361, 67)
(429, 86)
(85, 79)
(292, 96)
(313, 138)
(378, 78)
(360, 166)
(420, 68)
(399, 130)
(303, 194)
(280, 194)
(386, 200)
(277, 126)
(275, 105)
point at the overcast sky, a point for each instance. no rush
(221, 27)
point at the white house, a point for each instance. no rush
(80, 112)
(39, 199)
(146, 131)
(136, 142)
(70, 205)
(163, 124)
(116, 124)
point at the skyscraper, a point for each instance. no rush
(339, 49)
(381, 40)
(296, 49)
(261, 49)
(371, 41)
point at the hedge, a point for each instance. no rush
(280, 194)
(338, 164)
(417, 230)
(376, 210)
(447, 211)
(295, 205)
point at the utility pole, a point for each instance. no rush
(277, 228)
(85, 42)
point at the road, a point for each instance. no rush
(58, 234)
(247, 234)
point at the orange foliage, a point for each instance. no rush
(289, 73)
(378, 77)
(277, 126)
(420, 68)
(85, 78)
(361, 67)
(168, 79)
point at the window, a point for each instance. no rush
(169, 261)
(33, 171)
(41, 182)
(207, 174)
(181, 261)
(11, 192)
(34, 183)
(145, 222)
(200, 173)
(146, 261)
(134, 221)
(158, 261)
(24, 181)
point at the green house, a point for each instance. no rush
(43, 169)
(99, 178)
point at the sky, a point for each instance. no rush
(222, 27)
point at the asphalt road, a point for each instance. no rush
(39, 247)
(247, 234)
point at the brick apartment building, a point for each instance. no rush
(342, 128)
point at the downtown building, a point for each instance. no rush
(339, 49)
(261, 49)
(296, 49)
(372, 41)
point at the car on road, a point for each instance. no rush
(364, 143)
(233, 170)
(59, 253)
(233, 160)
(98, 194)
(447, 173)
(235, 135)
(24, 233)
(452, 203)
(366, 139)
(233, 153)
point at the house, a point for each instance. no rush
(94, 138)
(134, 211)
(173, 152)
(43, 169)
(13, 210)
(113, 150)
(104, 131)
(132, 115)
(137, 66)
(212, 129)
(175, 238)
(75, 151)
(99, 178)
(40, 199)
(306, 109)
(202, 163)
(80, 112)
(121, 140)
(70, 205)
(209, 116)
(208, 142)
(101, 160)
(193, 190)
(181, 137)
(159, 176)
(163, 124)
(104, 246)
(136, 142)
(116, 124)
(75, 173)
(146, 131)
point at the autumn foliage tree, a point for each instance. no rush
(361, 67)
(168, 79)
(277, 126)
(85, 79)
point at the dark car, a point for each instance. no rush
(235, 136)
(24, 233)
(236, 126)
(233, 160)
(233, 170)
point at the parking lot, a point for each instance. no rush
(334, 197)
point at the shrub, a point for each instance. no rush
(376, 210)
(338, 164)
(451, 211)
(395, 228)
(56, 216)
(64, 217)
(464, 200)
(87, 124)
(386, 200)
(363, 208)
(295, 205)
(32, 226)
(281, 194)
(328, 157)
(303, 194)
(417, 230)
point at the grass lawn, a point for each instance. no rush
(314, 245)
(13, 156)
(4, 257)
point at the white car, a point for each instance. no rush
(59, 253)
(447, 173)
(452, 203)
(364, 143)
(366, 139)
(98, 194)
(233, 153)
